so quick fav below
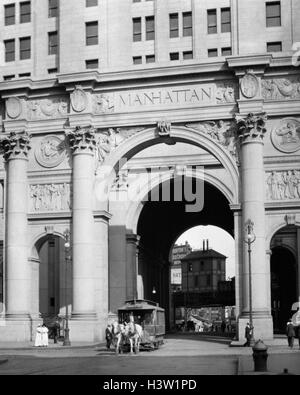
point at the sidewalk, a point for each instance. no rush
(11, 346)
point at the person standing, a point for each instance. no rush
(108, 336)
(290, 332)
(45, 338)
(248, 335)
(38, 337)
(56, 331)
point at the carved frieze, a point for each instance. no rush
(281, 88)
(249, 85)
(15, 146)
(283, 185)
(47, 108)
(103, 103)
(226, 92)
(50, 152)
(52, 197)
(13, 107)
(224, 132)
(286, 135)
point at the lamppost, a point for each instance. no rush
(67, 260)
(249, 240)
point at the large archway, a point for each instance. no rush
(159, 226)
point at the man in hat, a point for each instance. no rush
(108, 336)
(248, 335)
(290, 332)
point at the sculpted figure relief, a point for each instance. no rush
(283, 185)
(54, 197)
(286, 136)
(51, 151)
(282, 88)
(47, 108)
(102, 103)
(226, 93)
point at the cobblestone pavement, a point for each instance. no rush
(180, 355)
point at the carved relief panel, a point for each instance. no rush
(286, 135)
(51, 151)
(49, 198)
(283, 185)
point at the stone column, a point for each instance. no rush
(82, 143)
(18, 270)
(251, 130)
(131, 266)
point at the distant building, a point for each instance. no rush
(203, 270)
(179, 252)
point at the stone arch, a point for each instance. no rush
(136, 206)
(39, 240)
(149, 137)
(275, 229)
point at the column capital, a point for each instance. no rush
(251, 127)
(15, 145)
(82, 140)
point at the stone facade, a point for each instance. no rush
(63, 140)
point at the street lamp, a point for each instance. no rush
(249, 240)
(67, 260)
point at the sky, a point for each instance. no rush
(219, 240)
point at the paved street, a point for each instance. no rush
(181, 355)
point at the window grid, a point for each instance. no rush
(91, 3)
(225, 20)
(53, 8)
(187, 55)
(273, 14)
(212, 21)
(174, 25)
(10, 48)
(274, 47)
(150, 58)
(137, 29)
(150, 28)
(187, 24)
(92, 64)
(53, 43)
(25, 48)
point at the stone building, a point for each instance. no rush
(208, 90)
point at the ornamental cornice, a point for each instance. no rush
(15, 145)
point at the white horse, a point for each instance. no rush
(134, 334)
(118, 333)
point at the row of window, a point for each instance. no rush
(25, 47)
(25, 12)
(26, 75)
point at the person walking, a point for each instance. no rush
(108, 336)
(56, 331)
(248, 335)
(290, 332)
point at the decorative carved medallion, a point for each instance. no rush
(286, 135)
(249, 85)
(50, 152)
(283, 185)
(79, 100)
(52, 197)
(281, 88)
(13, 107)
(16, 145)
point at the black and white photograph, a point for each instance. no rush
(149, 190)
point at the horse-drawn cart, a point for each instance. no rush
(150, 317)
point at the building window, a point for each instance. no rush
(225, 20)
(174, 25)
(52, 43)
(137, 29)
(24, 75)
(187, 24)
(196, 281)
(273, 13)
(9, 77)
(212, 21)
(92, 64)
(10, 50)
(25, 48)
(10, 14)
(208, 280)
(226, 51)
(174, 56)
(25, 12)
(187, 55)
(150, 28)
(91, 29)
(212, 53)
(150, 58)
(53, 8)
(53, 71)
(136, 1)
(91, 3)
(274, 47)
(137, 60)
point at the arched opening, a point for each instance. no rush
(284, 274)
(54, 278)
(162, 222)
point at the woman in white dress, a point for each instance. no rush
(38, 337)
(45, 338)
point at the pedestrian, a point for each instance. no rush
(223, 326)
(108, 336)
(56, 331)
(290, 332)
(44, 334)
(38, 337)
(248, 332)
